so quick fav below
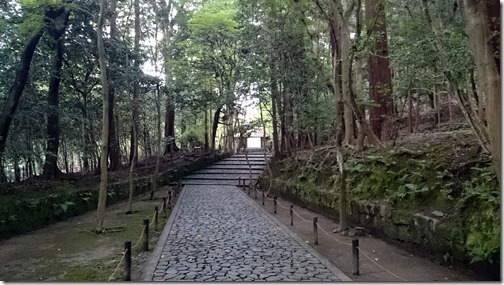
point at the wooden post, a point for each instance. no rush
(169, 199)
(164, 207)
(156, 218)
(255, 193)
(151, 195)
(263, 198)
(291, 212)
(179, 187)
(146, 235)
(275, 204)
(127, 261)
(239, 182)
(355, 255)
(248, 188)
(315, 231)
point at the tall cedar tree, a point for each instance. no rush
(380, 82)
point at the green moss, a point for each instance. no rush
(445, 174)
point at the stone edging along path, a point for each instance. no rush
(217, 233)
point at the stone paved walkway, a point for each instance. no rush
(218, 234)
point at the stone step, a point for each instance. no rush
(233, 182)
(252, 155)
(244, 159)
(236, 167)
(220, 176)
(224, 162)
(228, 171)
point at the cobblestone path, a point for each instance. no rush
(219, 234)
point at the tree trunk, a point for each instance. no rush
(346, 85)
(410, 112)
(435, 105)
(114, 150)
(479, 100)
(102, 196)
(146, 138)
(170, 146)
(17, 170)
(380, 82)
(417, 111)
(215, 124)
(113, 146)
(134, 108)
(19, 84)
(131, 173)
(283, 124)
(274, 98)
(207, 146)
(158, 143)
(56, 31)
(481, 19)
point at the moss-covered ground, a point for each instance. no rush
(70, 251)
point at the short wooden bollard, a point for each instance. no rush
(146, 235)
(255, 193)
(156, 218)
(169, 199)
(262, 198)
(275, 204)
(248, 189)
(355, 255)
(315, 231)
(151, 195)
(239, 182)
(164, 207)
(127, 261)
(291, 212)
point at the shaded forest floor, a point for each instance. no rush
(37, 187)
(70, 251)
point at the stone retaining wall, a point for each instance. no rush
(432, 232)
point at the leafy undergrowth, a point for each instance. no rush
(70, 251)
(440, 171)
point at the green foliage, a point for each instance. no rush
(191, 138)
(482, 197)
(398, 175)
(483, 240)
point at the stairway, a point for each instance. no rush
(228, 171)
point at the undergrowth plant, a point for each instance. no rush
(481, 198)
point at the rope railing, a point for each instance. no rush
(119, 264)
(280, 204)
(139, 239)
(342, 242)
(383, 268)
(153, 220)
(111, 277)
(332, 237)
(303, 219)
